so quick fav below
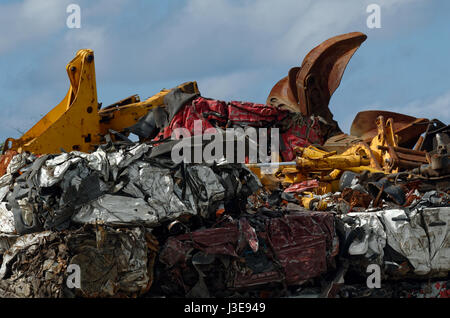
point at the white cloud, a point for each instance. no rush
(222, 39)
(30, 20)
(281, 28)
(92, 38)
(430, 108)
(235, 49)
(197, 38)
(436, 107)
(35, 20)
(231, 86)
(21, 117)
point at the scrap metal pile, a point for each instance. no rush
(139, 224)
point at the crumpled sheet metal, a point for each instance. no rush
(17, 162)
(421, 236)
(159, 186)
(54, 170)
(304, 243)
(112, 263)
(289, 249)
(163, 202)
(427, 248)
(299, 187)
(25, 273)
(437, 224)
(211, 188)
(111, 186)
(119, 264)
(6, 219)
(5, 182)
(6, 241)
(374, 239)
(408, 238)
(116, 210)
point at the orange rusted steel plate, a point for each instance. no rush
(5, 159)
(407, 128)
(322, 70)
(284, 93)
(308, 89)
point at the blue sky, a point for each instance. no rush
(235, 50)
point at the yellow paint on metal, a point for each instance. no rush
(76, 123)
(73, 123)
(121, 117)
(312, 203)
(384, 137)
(331, 162)
(363, 149)
(314, 163)
(323, 188)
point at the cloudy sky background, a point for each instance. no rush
(234, 49)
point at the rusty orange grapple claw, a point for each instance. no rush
(308, 89)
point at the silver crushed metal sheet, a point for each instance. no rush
(116, 210)
(158, 184)
(6, 219)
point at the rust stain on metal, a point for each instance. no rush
(407, 128)
(308, 88)
(5, 159)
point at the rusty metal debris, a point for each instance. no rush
(308, 88)
(139, 224)
(407, 128)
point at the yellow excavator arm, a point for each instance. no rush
(78, 123)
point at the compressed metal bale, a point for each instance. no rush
(6, 219)
(116, 210)
(373, 239)
(290, 249)
(53, 189)
(420, 236)
(111, 262)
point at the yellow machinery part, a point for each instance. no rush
(328, 166)
(120, 117)
(363, 149)
(73, 123)
(77, 123)
(331, 162)
(384, 137)
(311, 203)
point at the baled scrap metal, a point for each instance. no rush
(114, 186)
(6, 241)
(111, 262)
(420, 235)
(426, 246)
(6, 219)
(291, 249)
(116, 210)
(119, 263)
(365, 235)
(49, 267)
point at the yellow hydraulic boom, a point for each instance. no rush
(78, 123)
